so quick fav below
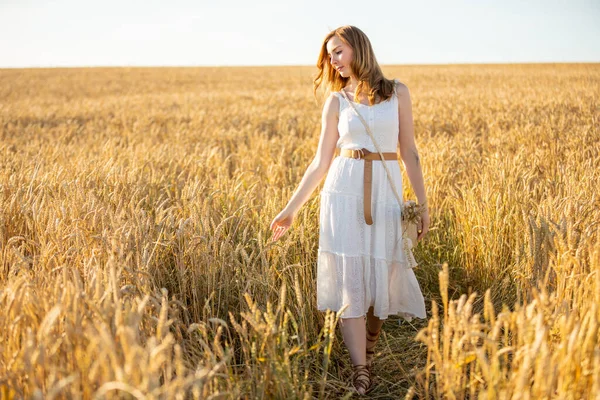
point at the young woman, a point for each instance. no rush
(361, 264)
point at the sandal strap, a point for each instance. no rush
(370, 348)
(375, 335)
(372, 341)
(362, 376)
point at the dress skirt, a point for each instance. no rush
(359, 265)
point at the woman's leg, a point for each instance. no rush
(354, 330)
(354, 333)
(374, 325)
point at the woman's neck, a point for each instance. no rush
(352, 84)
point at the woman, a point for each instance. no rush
(361, 265)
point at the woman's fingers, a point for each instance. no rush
(281, 223)
(275, 234)
(274, 224)
(275, 237)
(421, 230)
(278, 231)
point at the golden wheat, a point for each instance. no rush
(134, 221)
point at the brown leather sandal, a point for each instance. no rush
(371, 338)
(361, 379)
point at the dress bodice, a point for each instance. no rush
(382, 119)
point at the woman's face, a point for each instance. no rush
(340, 55)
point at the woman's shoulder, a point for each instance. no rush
(401, 87)
(334, 97)
(402, 94)
(332, 103)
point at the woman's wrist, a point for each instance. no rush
(291, 210)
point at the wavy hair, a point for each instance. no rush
(364, 66)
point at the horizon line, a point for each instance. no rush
(289, 65)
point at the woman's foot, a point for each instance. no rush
(361, 379)
(371, 342)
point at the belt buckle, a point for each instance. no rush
(360, 154)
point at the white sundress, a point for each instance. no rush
(362, 265)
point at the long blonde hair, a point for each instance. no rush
(364, 66)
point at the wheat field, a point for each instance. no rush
(135, 259)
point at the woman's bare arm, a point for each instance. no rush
(324, 156)
(406, 139)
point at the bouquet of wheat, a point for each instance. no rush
(411, 216)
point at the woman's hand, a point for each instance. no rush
(423, 225)
(281, 223)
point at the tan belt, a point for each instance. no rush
(368, 156)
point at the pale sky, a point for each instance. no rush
(35, 33)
